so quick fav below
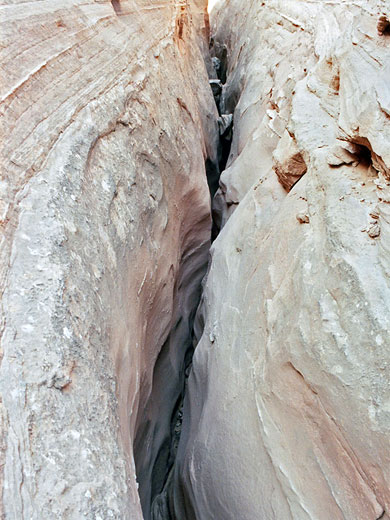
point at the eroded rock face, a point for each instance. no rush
(287, 413)
(106, 225)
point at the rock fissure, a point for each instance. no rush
(156, 489)
(308, 148)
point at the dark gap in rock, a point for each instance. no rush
(226, 137)
(167, 453)
(353, 152)
(216, 87)
(366, 156)
(219, 56)
(212, 173)
(359, 151)
(383, 26)
(363, 155)
(220, 62)
(159, 424)
(225, 126)
(117, 6)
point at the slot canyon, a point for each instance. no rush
(195, 260)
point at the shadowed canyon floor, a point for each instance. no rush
(195, 260)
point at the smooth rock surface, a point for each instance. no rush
(105, 224)
(287, 414)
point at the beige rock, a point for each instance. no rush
(287, 414)
(289, 164)
(105, 233)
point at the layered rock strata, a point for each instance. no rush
(105, 224)
(287, 414)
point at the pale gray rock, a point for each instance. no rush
(105, 226)
(287, 414)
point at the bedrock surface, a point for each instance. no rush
(105, 220)
(107, 122)
(287, 413)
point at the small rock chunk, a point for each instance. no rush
(374, 230)
(374, 213)
(303, 218)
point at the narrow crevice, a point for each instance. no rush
(213, 174)
(219, 57)
(156, 499)
(159, 428)
(225, 121)
(117, 6)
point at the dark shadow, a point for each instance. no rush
(212, 173)
(383, 26)
(117, 7)
(226, 144)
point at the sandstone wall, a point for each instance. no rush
(105, 230)
(287, 414)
